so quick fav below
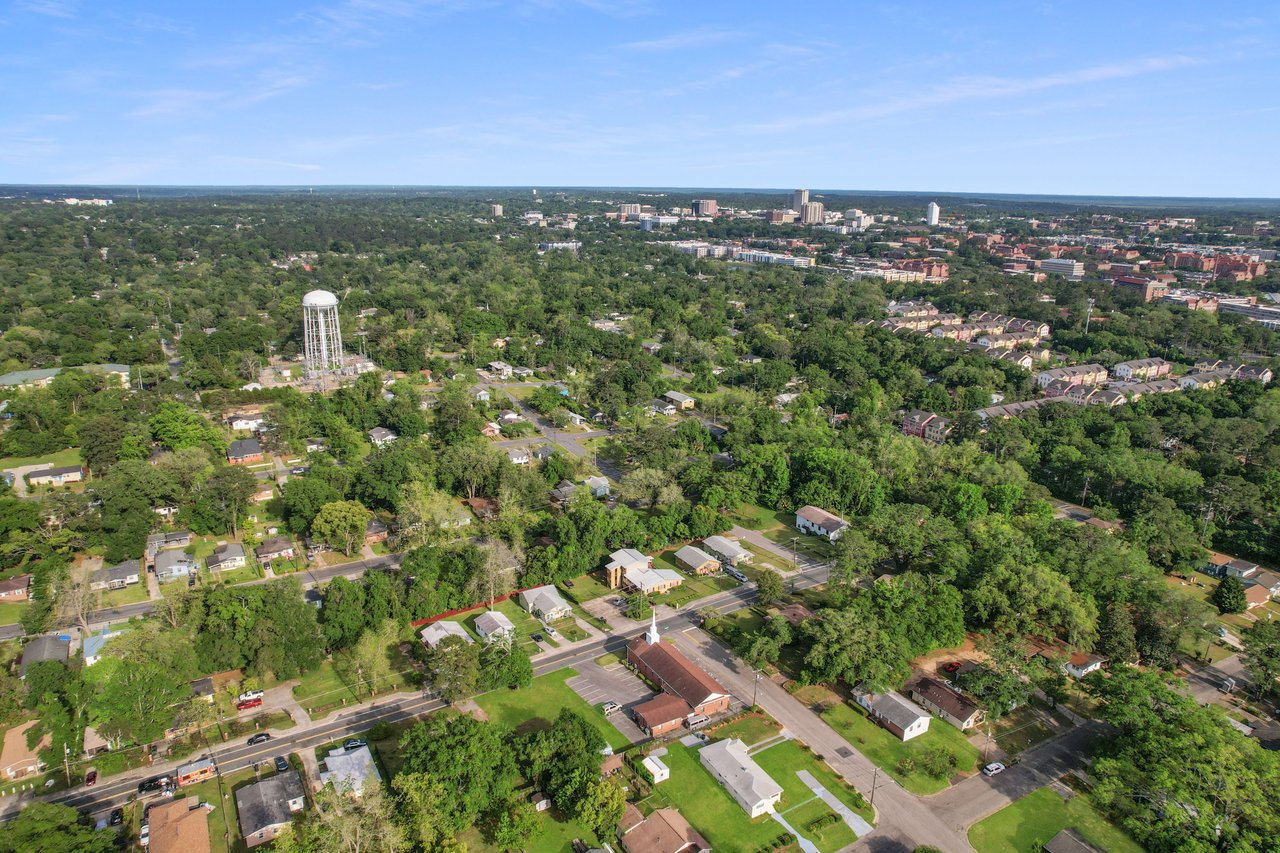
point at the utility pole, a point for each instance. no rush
(874, 778)
(755, 689)
(1088, 315)
(66, 762)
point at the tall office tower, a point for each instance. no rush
(704, 207)
(812, 213)
(799, 198)
(495, 210)
(321, 335)
(934, 212)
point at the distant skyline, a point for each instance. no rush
(1084, 98)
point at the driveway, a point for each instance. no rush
(20, 476)
(597, 684)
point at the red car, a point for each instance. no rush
(91, 778)
(248, 703)
(952, 667)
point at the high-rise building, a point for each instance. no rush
(799, 198)
(704, 207)
(629, 209)
(495, 210)
(933, 213)
(812, 213)
(321, 334)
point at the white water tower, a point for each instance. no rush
(321, 334)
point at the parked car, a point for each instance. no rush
(551, 632)
(537, 638)
(1227, 685)
(248, 703)
(1222, 630)
(91, 778)
(144, 837)
(260, 737)
(993, 769)
(117, 817)
(736, 575)
(281, 764)
(354, 743)
(250, 695)
(568, 584)
(696, 721)
(611, 707)
(953, 667)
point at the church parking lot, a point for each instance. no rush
(597, 685)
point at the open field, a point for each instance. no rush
(11, 612)
(131, 594)
(1037, 817)
(544, 700)
(63, 458)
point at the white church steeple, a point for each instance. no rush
(652, 635)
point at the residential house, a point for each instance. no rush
(697, 560)
(519, 455)
(350, 769)
(94, 743)
(683, 402)
(246, 451)
(576, 419)
(1079, 664)
(819, 522)
(485, 509)
(562, 494)
(545, 603)
(938, 430)
(275, 548)
(246, 423)
(781, 401)
(376, 531)
(1061, 387)
(1269, 581)
(663, 831)
(17, 588)
(1255, 594)
(598, 486)
(916, 421)
(42, 648)
(179, 826)
(948, 703)
(173, 564)
(481, 394)
(1141, 370)
(659, 407)
(265, 492)
(491, 430)
(620, 561)
(17, 759)
(225, 557)
(267, 807)
(437, 632)
(116, 577)
(1077, 374)
(494, 625)
(631, 570)
(508, 417)
(500, 369)
(94, 644)
(316, 445)
(748, 784)
(664, 665)
(1107, 397)
(59, 476)
(381, 436)
(895, 712)
(1211, 379)
(727, 550)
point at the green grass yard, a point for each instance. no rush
(588, 587)
(131, 594)
(886, 750)
(750, 729)
(555, 833)
(11, 612)
(326, 688)
(63, 458)
(1027, 824)
(783, 760)
(543, 701)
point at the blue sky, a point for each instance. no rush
(1152, 98)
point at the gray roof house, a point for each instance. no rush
(492, 624)
(437, 632)
(116, 577)
(228, 556)
(267, 807)
(45, 647)
(896, 713)
(726, 549)
(545, 603)
(173, 564)
(349, 769)
(746, 782)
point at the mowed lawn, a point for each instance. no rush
(543, 701)
(751, 729)
(61, 459)
(886, 750)
(784, 760)
(1036, 818)
(554, 833)
(11, 612)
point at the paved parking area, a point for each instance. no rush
(597, 685)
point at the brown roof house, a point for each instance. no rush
(661, 714)
(664, 831)
(947, 703)
(819, 522)
(665, 666)
(180, 826)
(16, 588)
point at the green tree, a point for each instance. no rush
(422, 802)
(222, 500)
(302, 498)
(601, 807)
(1262, 654)
(467, 758)
(1228, 595)
(177, 426)
(52, 828)
(341, 525)
(1117, 638)
(515, 826)
(454, 668)
(768, 586)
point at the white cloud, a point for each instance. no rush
(684, 40)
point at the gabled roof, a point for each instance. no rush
(661, 709)
(897, 709)
(244, 447)
(822, 518)
(694, 557)
(493, 622)
(438, 632)
(180, 826)
(745, 779)
(678, 674)
(944, 697)
(171, 558)
(266, 804)
(723, 545)
(45, 647)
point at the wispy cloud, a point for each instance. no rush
(51, 8)
(684, 40)
(963, 89)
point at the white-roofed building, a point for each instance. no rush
(746, 782)
(350, 769)
(726, 549)
(545, 603)
(492, 625)
(437, 632)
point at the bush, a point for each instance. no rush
(823, 821)
(381, 730)
(938, 762)
(907, 766)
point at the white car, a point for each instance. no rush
(993, 769)
(144, 837)
(611, 707)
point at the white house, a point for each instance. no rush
(518, 455)
(350, 769)
(492, 625)
(598, 486)
(481, 394)
(545, 603)
(173, 564)
(727, 550)
(248, 423)
(381, 436)
(656, 768)
(1079, 665)
(116, 577)
(896, 713)
(437, 632)
(811, 519)
(746, 782)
